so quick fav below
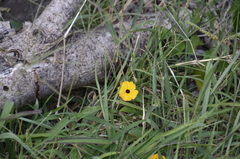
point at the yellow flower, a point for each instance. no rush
(128, 91)
(155, 156)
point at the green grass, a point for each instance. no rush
(167, 117)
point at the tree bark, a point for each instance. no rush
(28, 69)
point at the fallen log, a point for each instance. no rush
(31, 60)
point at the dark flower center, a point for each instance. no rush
(127, 91)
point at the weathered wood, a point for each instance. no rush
(36, 74)
(25, 82)
(22, 10)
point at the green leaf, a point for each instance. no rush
(235, 10)
(87, 111)
(211, 19)
(222, 65)
(81, 140)
(20, 114)
(16, 25)
(130, 110)
(235, 6)
(225, 72)
(178, 49)
(10, 135)
(137, 132)
(195, 40)
(56, 130)
(211, 53)
(199, 74)
(5, 113)
(196, 18)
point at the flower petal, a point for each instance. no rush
(127, 91)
